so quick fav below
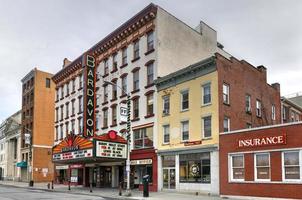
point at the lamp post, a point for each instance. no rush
(128, 134)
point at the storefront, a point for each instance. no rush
(189, 169)
(98, 161)
(262, 162)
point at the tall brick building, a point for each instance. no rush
(38, 93)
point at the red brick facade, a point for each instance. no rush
(276, 186)
(243, 79)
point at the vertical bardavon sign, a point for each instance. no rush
(89, 95)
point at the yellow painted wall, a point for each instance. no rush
(194, 114)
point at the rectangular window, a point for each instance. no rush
(57, 133)
(57, 114)
(291, 165)
(97, 123)
(206, 94)
(258, 108)
(80, 125)
(114, 90)
(150, 74)
(67, 128)
(47, 80)
(67, 89)
(143, 138)
(80, 81)
(206, 126)
(237, 167)
(166, 130)
(248, 103)
(185, 130)
(150, 41)
(73, 126)
(67, 109)
(114, 62)
(166, 105)
(114, 114)
(106, 67)
(80, 104)
(150, 104)
(185, 100)
(124, 85)
(105, 118)
(57, 95)
(136, 50)
(72, 107)
(136, 108)
(136, 80)
(273, 112)
(73, 85)
(61, 131)
(226, 93)
(62, 112)
(195, 168)
(283, 112)
(262, 166)
(62, 92)
(124, 56)
(105, 93)
(226, 124)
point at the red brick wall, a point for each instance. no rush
(229, 144)
(244, 78)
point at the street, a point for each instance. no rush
(8, 192)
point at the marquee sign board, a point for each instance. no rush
(106, 149)
(89, 95)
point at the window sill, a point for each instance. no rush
(73, 92)
(135, 59)
(122, 123)
(149, 85)
(166, 115)
(105, 127)
(206, 138)
(112, 100)
(67, 95)
(166, 144)
(57, 101)
(114, 70)
(80, 88)
(207, 104)
(104, 103)
(105, 75)
(66, 118)
(134, 120)
(185, 110)
(226, 104)
(124, 95)
(80, 112)
(72, 115)
(260, 117)
(61, 120)
(149, 116)
(113, 125)
(248, 112)
(124, 65)
(135, 91)
(149, 51)
(61, 98)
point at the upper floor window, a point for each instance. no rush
(262, 166)
(185, 130)
(248, 103)
(283, 113)
(105, 93)
(136, 80)
(273, 112)
(143, 138)
(185, 100)
(57, 94)
(226, 124)
(72, 107)
(258, 108)
(206, 91)
(80, 124)
(80, 104)
(136, 50)
(226, 93)
(124, 85)
(114, 62)
(150, 104)
(166, 130)
(57, 133)
(47, 82)
(237, 167)
(57, 114)
(114, 115)
(150, 41)
(67, 127)
(80, 81)
(291, 165)
(207, 126)
(62, 112)
(61, 132)
(114, 89)
(105, 118)
(150, 74)
(106, 67)
(67, 109)
(124, 56)
(62, 92)
(73, 85)
(73, 126)
(166, 105)
(67, 89)
(135, 108)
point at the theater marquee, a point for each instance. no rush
(107, 149)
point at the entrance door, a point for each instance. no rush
(169, 178)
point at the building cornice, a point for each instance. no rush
(118, 35)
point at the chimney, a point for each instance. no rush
(276, 86)
(262, 69)
(66, 62)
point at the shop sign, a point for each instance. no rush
(107, 149)
(141, 162)
(76, 166)
(62, 167)
(89, 95)
(192, 143)
(74, 179)
(262, 141)
(85, 153)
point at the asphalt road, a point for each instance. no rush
(13, 193)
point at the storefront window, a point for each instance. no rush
(262, 166)
(169, 161)
(143, 138)
(195, 168)
(237, 167)
(141, 171)
(291, 164)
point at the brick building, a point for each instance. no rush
(262, 162)
(38, 93)
(291, 110)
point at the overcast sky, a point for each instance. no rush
(35, 33)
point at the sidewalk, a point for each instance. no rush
(112, 192)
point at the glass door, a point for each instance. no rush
(169, 178)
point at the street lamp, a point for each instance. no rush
(128, 134)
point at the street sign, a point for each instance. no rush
(123, 113)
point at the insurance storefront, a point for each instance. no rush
(98, 161)
(189, 169)
(262, 162)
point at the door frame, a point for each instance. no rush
(169, 179)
